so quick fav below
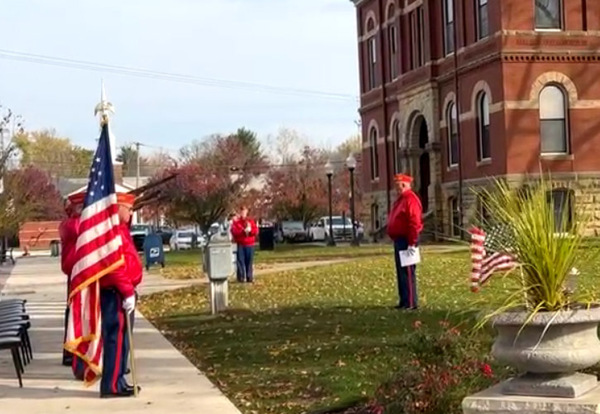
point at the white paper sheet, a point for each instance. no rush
(407, 259)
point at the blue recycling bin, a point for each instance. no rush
(153, 250)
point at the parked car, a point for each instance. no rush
(294, 231)
(341, 226)
(139, 233)
(165, 233)
(185, 240)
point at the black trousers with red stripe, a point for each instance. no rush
(115, 342)
(407, 278)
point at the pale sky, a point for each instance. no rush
(289, 44)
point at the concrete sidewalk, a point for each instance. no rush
(170, 383)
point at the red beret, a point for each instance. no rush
(403, 178)
(76, 198)
(122, 198)
(125, 199)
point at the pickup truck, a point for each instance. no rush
(342, 229)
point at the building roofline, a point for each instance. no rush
(357, 2)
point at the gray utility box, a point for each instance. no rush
(219, 265)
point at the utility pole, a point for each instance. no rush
(137, 174)
(458, 112)
(137, 164)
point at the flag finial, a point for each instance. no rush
(103, 107)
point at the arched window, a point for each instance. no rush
(396, 144)
(562, 200)
(454, 216)
(483, 127)
(452, 127)
(553, 121)
(374, 153)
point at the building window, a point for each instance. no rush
(483, 127)
(396, 153)
(548, 14)
(455, 217)
(452, 126)
(393, 44)
(562, 203)
(484, 214)
(483, 24)
(374, 154)
(448, 26)
(375, 222)
(372, 68)
(553, 121)
(417, 38)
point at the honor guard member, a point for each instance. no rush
(69, 231)
(117, 301)
(404, 226)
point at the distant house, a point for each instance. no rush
(69, 186)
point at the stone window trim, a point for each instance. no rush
(391, 12)
(371, 26)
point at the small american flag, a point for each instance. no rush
(489, 253)
(98, 252)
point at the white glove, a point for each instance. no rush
(411, 250)
(248, 228)
(129, 304)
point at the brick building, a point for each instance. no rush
(527, 78)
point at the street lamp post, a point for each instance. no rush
(329, 172)
(351, 165)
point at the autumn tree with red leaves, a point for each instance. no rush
(214, 175)
(298, 189)
(29, 194)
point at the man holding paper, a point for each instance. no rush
(404, 226)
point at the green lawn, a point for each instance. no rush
(303, 340)
(290, 253)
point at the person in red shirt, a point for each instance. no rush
(68, 231)
(117, 302)
(244, 231)
(404, 227)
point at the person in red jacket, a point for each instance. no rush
(117, 302)
(244, 231)
(404, 226)
(68, 231)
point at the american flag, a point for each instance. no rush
(98, 252)
(490, 253)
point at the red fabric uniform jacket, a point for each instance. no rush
(128, 276)
(238, 231)
(405, 219)
(68, 230)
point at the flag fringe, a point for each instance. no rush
(97, 276)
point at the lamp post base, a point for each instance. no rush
(330, 242)
(355, 243)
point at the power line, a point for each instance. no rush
(167, 76)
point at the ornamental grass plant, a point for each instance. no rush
(546, 238)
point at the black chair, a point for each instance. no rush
(14, 343)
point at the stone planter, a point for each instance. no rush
(549, 350)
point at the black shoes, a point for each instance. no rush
(127, 392)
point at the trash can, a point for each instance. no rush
(266, 238)
(153, 250)
(54, 248)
